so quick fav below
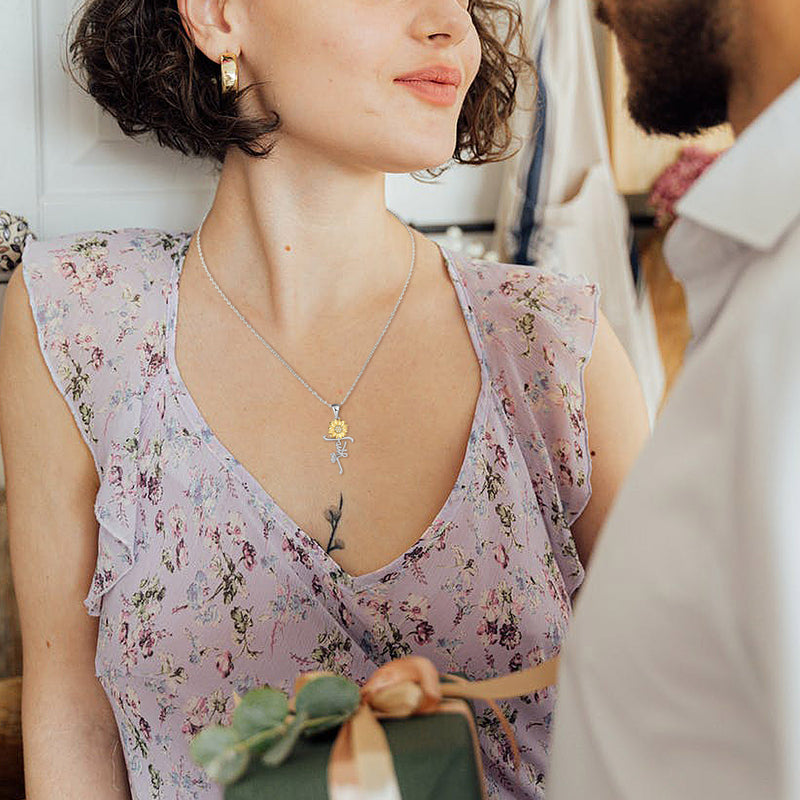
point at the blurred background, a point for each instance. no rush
(586, 193)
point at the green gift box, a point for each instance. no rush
(298, 749)
(434, 758)
(408, 730)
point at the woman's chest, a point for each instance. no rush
(222, 573)
(217, 557)
(366, 493)
(227, 593)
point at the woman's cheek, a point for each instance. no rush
(475, 57)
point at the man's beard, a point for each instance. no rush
(675, 53)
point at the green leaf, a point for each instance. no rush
(221, 753)
(280, 750)
(210, 742)
(260, 710)
(328, 696)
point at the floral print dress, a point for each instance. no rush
(205, 587)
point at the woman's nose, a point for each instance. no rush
(442, 21)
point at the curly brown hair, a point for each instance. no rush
(137, 61)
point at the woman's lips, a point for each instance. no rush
(440, 94)
(438, 84)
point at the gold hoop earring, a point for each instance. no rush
(229, 69)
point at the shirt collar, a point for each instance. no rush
(752, 193)
(748, 200)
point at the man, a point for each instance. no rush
(681, 674)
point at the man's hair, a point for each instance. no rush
(136, 60)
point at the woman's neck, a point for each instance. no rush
(307, 238)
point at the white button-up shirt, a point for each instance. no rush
(681, 672)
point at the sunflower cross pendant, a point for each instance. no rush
(337, 432)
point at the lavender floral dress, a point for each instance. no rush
(205, 587)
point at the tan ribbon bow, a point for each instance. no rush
(360, 766)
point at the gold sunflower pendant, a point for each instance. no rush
(337, 433)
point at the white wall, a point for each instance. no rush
(462, 195)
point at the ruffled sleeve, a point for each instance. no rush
(538, 330)
(86, 305)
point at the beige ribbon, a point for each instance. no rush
(360, 766)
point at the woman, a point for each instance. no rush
(233, 513)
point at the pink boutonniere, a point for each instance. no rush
(673, 183)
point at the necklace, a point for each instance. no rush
(338, 428)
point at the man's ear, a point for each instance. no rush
(207, 25)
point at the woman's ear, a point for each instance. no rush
(207, 25)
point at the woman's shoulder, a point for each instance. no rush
(88, 265)
(100, 302)
(523, 307)
(537, 330)
(112, 285)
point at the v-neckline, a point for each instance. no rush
(259, 493)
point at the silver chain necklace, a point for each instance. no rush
(337, 430)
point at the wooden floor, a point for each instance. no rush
(669, 308)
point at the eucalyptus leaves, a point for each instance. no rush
(264, 726)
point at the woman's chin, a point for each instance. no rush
(420, 161)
